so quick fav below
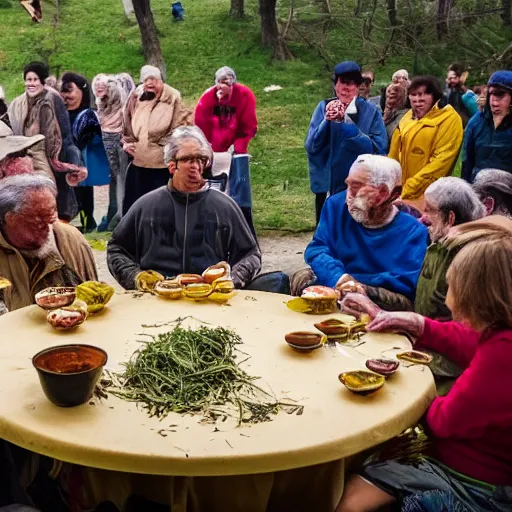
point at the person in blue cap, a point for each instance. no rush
(341, 129)
(488, 138)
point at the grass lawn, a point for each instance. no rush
(94, 36)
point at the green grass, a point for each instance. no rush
(94, 36)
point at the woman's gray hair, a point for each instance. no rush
(497, 185)
(382, 170)
(225, 72)
(456, 195)
(14, 190)
(126, 85)
(112, 101)
(186, 132)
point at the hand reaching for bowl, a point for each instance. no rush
(356, 304)
(335, 111)
(400, 321)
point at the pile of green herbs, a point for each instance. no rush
(195, 371)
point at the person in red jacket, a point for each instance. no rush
(226, 113)
(470, 466)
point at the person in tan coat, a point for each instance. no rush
(152, 112)
(36, 251)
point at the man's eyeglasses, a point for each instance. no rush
(190, 159)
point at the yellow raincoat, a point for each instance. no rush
(426, 148)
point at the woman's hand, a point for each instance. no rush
(401, 321)
(129, 147)
(356, 304)
(335, 111)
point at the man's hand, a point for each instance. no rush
(356, 304)
(347, 284)
(129, 147)
(410, 323)
(76, 177)
(146, 280)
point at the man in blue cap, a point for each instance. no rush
(341, 129)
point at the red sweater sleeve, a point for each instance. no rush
(478, 398)
(451, 339)
(248, 122)
(204, 111)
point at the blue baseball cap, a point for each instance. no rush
(347, 68)
(501, 78)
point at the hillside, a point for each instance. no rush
(95, 36)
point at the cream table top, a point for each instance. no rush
(118, 435)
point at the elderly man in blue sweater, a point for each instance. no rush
(341, 129)
(363, 242)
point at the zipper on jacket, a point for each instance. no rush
(185, 236)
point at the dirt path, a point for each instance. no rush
(284, 253)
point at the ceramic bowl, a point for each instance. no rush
(69, 373)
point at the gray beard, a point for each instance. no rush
(48, 248)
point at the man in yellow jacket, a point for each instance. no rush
(427, 140)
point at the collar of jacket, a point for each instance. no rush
(434, 117)
(487, 114)
(169, 94)
(192, 197)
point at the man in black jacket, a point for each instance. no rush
(186, 226)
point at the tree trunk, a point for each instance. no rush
(150, 43)
(270, 32)
(444, 8)
(392, 13)
(358, 8)
(237, 9)
(506, 15)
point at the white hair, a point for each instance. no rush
(225, 72)
(186, 132)
(401, 73)
(126, 85)
(456, 195)
(148, 71)
(14, 190)
(382, 170)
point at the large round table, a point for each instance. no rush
(115, 435)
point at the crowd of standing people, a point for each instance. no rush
(401, 241)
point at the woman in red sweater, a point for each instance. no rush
(226, 113)
(470, 467)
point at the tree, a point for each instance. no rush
(237, 9)
(150, 43)
(270, 31)
(506, 15)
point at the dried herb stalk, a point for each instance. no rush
(195, 371)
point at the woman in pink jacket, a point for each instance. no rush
(470, 466)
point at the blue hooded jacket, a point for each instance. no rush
(332, 147)
(484, 146)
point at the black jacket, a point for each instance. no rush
(176, 233)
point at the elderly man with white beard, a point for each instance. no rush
(363, 242)
(36, 251)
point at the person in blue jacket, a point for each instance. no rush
(488, 137)
(362, 240)
(341, 129)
